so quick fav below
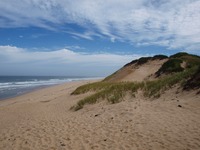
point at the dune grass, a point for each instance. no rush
(91, 87)
(153, 88)
(114, 92)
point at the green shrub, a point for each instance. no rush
(171, 66)
(159, 57)
(183, 54)
(194, 81)
(143, 60)
(190, 59)
(178, 55)
(140, 61)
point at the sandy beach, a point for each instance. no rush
(42, 120)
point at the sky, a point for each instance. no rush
(92, 37)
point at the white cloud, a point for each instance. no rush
(16, 60)
(171, 23)
(86, 35)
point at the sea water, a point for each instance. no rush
(11, 86)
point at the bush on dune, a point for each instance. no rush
(171, 66)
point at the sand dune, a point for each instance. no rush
(135, 72)
(42, 120)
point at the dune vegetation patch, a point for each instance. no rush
(190, 59)
(180, 69)
(114, 92)
(172, 65)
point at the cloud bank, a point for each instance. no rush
(19, 61)
(174, 24)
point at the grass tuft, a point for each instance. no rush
(90, 87)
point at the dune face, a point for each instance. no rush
(138, 70)
(151, 68)
(143, 72)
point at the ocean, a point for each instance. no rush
(11, 86)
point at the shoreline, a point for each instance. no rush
(46, 89)
(26, 92)
(33, 89)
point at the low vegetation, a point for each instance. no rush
(178, 55)
(188, 77)
(194, 81)
(153, 88)
(91, 87)
(144, 60)
(171, 66)
(191, 60)
(115, 92)
(112, 92)
(159, 57)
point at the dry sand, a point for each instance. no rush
(42, 120)
(138, 73)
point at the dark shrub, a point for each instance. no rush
(194, 81)
(172, 65)
(143, 60)
(178, 55)
(159, 57)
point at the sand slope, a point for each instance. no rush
(135, 72)
(42, 120)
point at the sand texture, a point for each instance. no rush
(138, 73)
(41, 120)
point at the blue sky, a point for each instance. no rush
(92, 38)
